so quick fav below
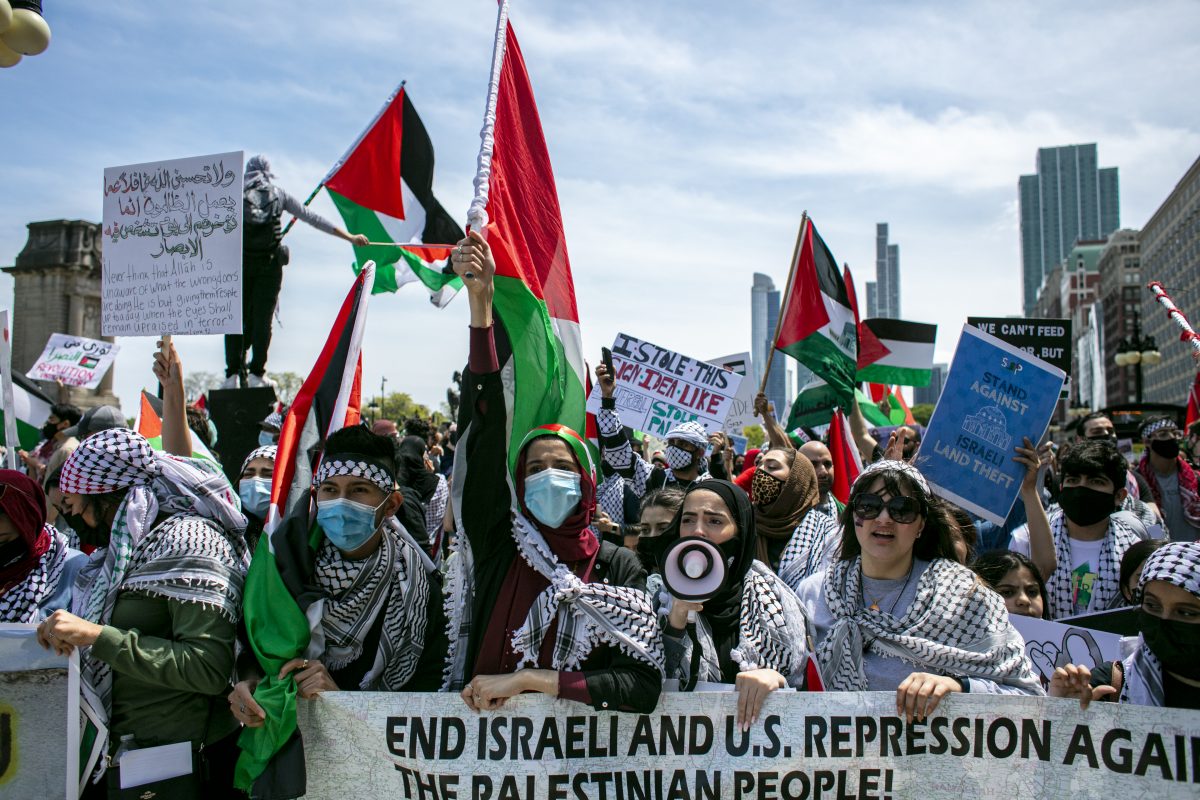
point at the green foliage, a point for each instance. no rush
(755, 436)
(286, 385)
(922, 412)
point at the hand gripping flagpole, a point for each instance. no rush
(477, 217)
(1189, 334)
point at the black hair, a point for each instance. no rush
(670, 498)
(359, 440)
(1095, 457)
(1085, 420)
(992, 566)
(415, 426)
(1135, 557)
(198, 423)
(966, 529)
(67, 412)
(937, 537)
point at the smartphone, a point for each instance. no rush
(606, 358)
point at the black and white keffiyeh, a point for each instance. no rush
(23, 602)
(1177, 563)
(393, 581)
(1106, 589)
(269, 451)
(588, 614)
(954, 626)
(889, 465)
(339, 465)
(435, 510)
(811, 548)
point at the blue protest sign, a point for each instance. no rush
(995, 395)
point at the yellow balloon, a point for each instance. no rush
(5, 15)
(28, 33)
(8, 56)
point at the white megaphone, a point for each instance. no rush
(693, 569)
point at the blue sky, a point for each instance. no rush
(686, 138)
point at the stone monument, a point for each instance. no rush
(57, 290)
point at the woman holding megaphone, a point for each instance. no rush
(897, 598)
(729, 618)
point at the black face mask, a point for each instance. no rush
(12, 552)
(1085, 506)
(1165, 448)
(1177, 644)
(88, 534)
(650, 551)
(49, 429)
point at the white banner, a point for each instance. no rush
(805, 746)
(74, 360)
(173, 247)
(658, 388)
(741, 410)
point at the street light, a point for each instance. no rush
(1135, 351)
(23, 30)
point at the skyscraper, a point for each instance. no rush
(1069, 199)
(883, 296)
(764, 315)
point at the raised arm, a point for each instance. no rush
(861, 433)
(1041, 542)
(777, 437)
(176, 436)
(618, 453)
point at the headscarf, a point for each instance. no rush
(570, 541)
(23, 501)
(268, 451)
(692, 432)
(26, 585)
(1177, 563)
(797, 497)
(258, 173)
(410, 468)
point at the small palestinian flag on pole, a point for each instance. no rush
(847, 463)
(272, 759)
(383, 188)
(31, 408)
(906, 357)
(817, 324)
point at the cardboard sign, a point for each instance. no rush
(1050, 645)
(995, 395)
(74, 360)
(658, 389)
(1047, 339)
(741, 410)
(173, 247)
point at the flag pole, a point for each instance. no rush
(349, 150)
(787, 296)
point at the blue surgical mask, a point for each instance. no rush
(346, 523)
(256, 495)
(265, 438)
(551, 495)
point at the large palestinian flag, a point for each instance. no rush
(907, 352)
(534, 298)
(272, 759)
(817, 325)
(383, 188)
(31, 408)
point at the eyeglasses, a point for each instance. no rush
(899, 509)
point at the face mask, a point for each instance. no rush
(765, 488)
(48, 430)
(551, 495)
(88, 534)
(1166, 448)
(1103, 437)
(256, 495)
(346, 523)
(1177, 644)
(1085, 506)
(677, 457)
(12, 552)
(650, 551)
(265, 438)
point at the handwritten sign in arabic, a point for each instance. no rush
(658, 389)
(74, 360)
(173, 247)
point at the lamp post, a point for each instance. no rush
(1134, 351)
(382, 395)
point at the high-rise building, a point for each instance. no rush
(764, 315)
(1170, 247)
(1068, 200)
(886, 289)
(930, 394)
(1121, 288)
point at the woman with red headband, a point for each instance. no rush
(37, 568)
(540, 604)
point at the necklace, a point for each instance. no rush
(874, 606)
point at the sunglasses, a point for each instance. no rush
(899, 509)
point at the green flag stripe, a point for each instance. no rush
(893, 376)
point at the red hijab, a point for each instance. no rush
(571, 542)
(23, 501)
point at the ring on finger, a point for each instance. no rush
(242, 708)
(305, 664)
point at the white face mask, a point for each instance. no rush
(552, 494)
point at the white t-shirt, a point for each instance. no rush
(1085, 561)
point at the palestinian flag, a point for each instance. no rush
(907, 352)
(272, 759)
(818, 324)
(149, 424)
(847, 463)
(31, 408)
(871, 408)
(383, 188)
(534, 301)
(814, 403)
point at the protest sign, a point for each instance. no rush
(74, 360)
(658, 389)
(994, 396)
(39, 717)
(805, 746)
(741, 409)
(173, 247)
(1054, 644)
(1048, 339)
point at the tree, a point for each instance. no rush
(922, 412)
(286, 385)
(755, 436)
(198, 382)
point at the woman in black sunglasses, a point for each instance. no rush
(897, 597)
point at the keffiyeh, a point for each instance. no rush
(814, 544)
(1106, 589)
(23, 601)
(1189, 494)
(902, 467)
(356, 466)
(954, 626)
(269, 452)
(1177, 563)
